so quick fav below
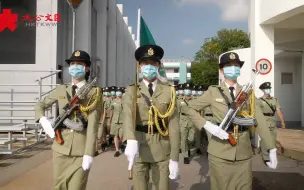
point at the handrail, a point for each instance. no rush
(49, 75)
(30, 70)
(28, 85)
(40, 83)
(18, 102)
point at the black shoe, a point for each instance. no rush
(103, 147)
(117, 153)
(186, 161)
(110, 141)
(96, 153)
(122, 148)
(198, 151)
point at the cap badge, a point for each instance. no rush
(232, 56)
(77, 53)
(150, 52)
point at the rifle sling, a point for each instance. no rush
(271, 107)
(146, 100)
(224, 96)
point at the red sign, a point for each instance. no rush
(9, 20)
(264, 66)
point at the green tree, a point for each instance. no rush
(204, 69)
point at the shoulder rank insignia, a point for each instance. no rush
(150, 51)
(77, 53)
(232, 56)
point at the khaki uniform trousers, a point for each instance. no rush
(159, 175)
(68, 173)
(187, 138)
(265, 153)
(230, 175)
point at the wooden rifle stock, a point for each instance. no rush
(231, 139)
(59, 138)
(241, 99)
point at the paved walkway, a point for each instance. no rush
(33, 171)
(291, 143)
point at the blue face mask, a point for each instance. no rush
(113, 93)
(200, 93)
(268, 91)
(232, 72)
(181, 92)
(119, 94)
(77, 71)
(149, 71)
(187, 92)
(193, 93)
(177, 92)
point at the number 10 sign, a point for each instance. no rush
(264, 66)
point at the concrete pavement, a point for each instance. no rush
(34, 171)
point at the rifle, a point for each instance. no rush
(239, 102)
(69, 108)
(134, 110)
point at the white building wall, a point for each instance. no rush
(289, 95)
(278, 7)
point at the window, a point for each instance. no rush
(176, 70)
(19, 46)
(286, 78)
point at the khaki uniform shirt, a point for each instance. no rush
(75, 143)
(152, 148)
(221, 148)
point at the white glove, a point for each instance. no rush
(87, 162)
(47, 126)
(131, 152)
(173, 168)
(273, 161)
(216, 130)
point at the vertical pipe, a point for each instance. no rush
(73, 30)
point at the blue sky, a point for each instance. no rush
(180, 26)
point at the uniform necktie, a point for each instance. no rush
(231, 88)
(150, 89)
(74, 90)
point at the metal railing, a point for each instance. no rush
(12, 102)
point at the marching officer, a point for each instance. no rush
(101, 139)
(150, 145)
(180, 91)
(116, 119)
(186, 126)
(270, 106)
(106, 117)
(230, 165)
(194, 92)
(73, 158)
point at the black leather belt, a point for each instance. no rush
(268, 114)
(209, 115)
(144, 128)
